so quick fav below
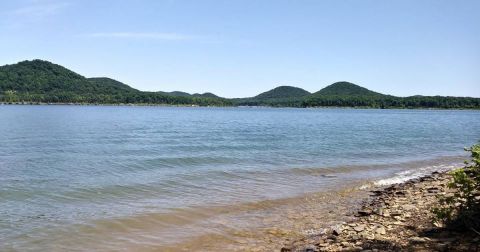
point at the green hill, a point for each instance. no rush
(42, 81)
(177, 93)
(206, 95)
(282, 96)
(111, 85)
(346, 94)
(185, 94)
(282, 92)
(344, 88)
(38, 76)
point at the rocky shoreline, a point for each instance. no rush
(394, 218)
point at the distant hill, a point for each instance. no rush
(185, 94)
(344, 88)
(346, 94)
(38, 76)
(111, 84)
(282, 96)
(283, 92)
(177, 93)
(43, 81)
(206, 95)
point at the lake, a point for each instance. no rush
(113, 177)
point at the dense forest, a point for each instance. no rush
(40, 81)
(345, 94)
(283, 96)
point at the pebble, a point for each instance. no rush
(359, 228)
(396, 218)
(380, 230)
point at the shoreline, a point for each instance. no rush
(214, 106)
(397, 217)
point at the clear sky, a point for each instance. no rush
(239, 48)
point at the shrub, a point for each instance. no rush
(462, 208)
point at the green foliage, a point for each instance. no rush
(345, 94)
(283, 92)
(206, 95)
(462, 207)
(43, 82)
(344, 88)
(283, 96)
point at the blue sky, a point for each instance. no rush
(239, 48)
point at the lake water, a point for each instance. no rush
(110, 178)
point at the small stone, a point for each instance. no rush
(359, 228)
(409, 207)
(396, 213)
(380, 230)
(337, 230)
(417, 239)
(310, 248)
(365, 212)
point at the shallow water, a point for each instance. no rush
(107, 178)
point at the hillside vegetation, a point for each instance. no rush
(282, 96)
(345, 94)
(40, 81)
(45, 82)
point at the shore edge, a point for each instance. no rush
(394, 218)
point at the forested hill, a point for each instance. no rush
(185, 94)
(282, 96)
(40, 81)
(45, 82)
(345, 94)
(344, 88)
(283, 92)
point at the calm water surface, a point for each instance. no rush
(71, 173)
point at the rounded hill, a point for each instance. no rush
(283, 92)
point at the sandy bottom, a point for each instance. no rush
(267, 226)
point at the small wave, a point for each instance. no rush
(403, 176)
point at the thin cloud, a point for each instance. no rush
(142, 35)
(39, 9)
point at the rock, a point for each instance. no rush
(380, 230)
(337, 230)
(310, 248)
(359, 228)
(365, 212)
(395, 213)
(285, 249)
(441, 246)
(417, 240)
(409, 207)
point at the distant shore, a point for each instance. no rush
(195, 105)
(393, 218)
